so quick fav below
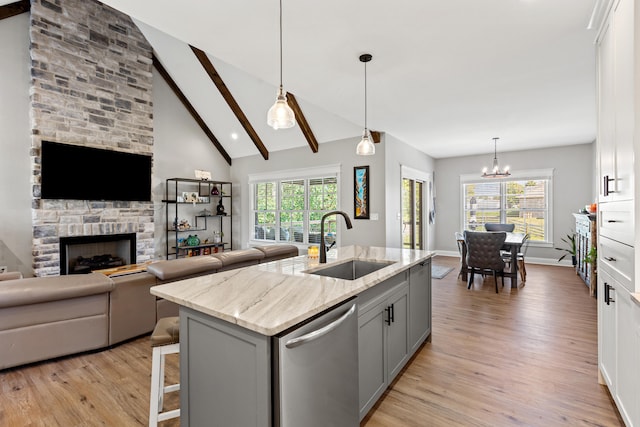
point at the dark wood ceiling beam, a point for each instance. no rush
(302, 122)
(226, 94)
(176, 90)
(13, 9)
(375, 135)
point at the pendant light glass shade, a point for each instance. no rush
(366, 146)
(280, 115)
(495, 170)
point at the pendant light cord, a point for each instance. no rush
(280, 43)
(365, 95)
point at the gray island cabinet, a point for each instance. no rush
(230, 323)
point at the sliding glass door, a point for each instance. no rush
(413, 213)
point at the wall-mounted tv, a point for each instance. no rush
(83, 173)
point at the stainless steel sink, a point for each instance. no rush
(351, 270)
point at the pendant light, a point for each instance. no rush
(280, 115)
(495, 170)
(365, 147)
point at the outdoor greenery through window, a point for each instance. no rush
(521, 201)
(290, 210)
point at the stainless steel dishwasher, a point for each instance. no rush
(316, 371)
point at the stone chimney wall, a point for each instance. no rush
(91, 85)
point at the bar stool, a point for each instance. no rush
(165, 339)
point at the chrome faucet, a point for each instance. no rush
(323, 248)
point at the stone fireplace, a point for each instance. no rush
(83, 254)
(91, 85)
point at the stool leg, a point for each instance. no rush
(154, 402)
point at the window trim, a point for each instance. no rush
(326, 171)
(533, 174)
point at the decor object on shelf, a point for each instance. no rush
(365, 147)
(220, 208)
(495, 170)
(203, 175)
(280, 115)
(193, 240)
(361, 192)
(190, 196)
(215, 191)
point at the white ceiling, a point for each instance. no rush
(446, 76)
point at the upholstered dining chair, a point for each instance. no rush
(491, 226)
(483, 254)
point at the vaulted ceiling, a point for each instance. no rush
(446, 76)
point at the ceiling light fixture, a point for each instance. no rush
(365, 147)
(280, 115)
(495, 171)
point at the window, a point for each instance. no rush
(289, 209)
(523, 200)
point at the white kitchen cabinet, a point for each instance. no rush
(619, 345)
(419, 304)
(618, 144)
(607, 329)
(627, 358)
(616, 106)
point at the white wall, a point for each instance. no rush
(399, 154)
(342, 152)
(179, 148)
(15, 144)
(572, 189)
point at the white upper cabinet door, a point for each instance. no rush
(624, 78)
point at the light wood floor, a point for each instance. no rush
(524, 357)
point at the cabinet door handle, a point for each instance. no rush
(612, 220)
(607, 293)
(610, 259)
(388, 320)
(294, 342)
(393, 314)
(606, 190)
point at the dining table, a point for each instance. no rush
(513, 243)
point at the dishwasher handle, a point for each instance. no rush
(294, 342)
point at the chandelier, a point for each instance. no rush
(495, 170)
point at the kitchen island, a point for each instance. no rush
(229, 321)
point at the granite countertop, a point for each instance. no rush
(636, 298)
(269, 298)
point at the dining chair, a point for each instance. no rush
(506, 256)
(492, 226)
(520, 258)
(460, 243)
(483, 254)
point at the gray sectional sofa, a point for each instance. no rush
(46, 317)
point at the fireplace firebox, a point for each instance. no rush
(83, 254)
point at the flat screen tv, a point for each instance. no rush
(82, 173)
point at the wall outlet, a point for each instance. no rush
(3, 269)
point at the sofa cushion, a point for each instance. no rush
(239, 258)
(52, 288)
(183, 268)
(276, 252)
